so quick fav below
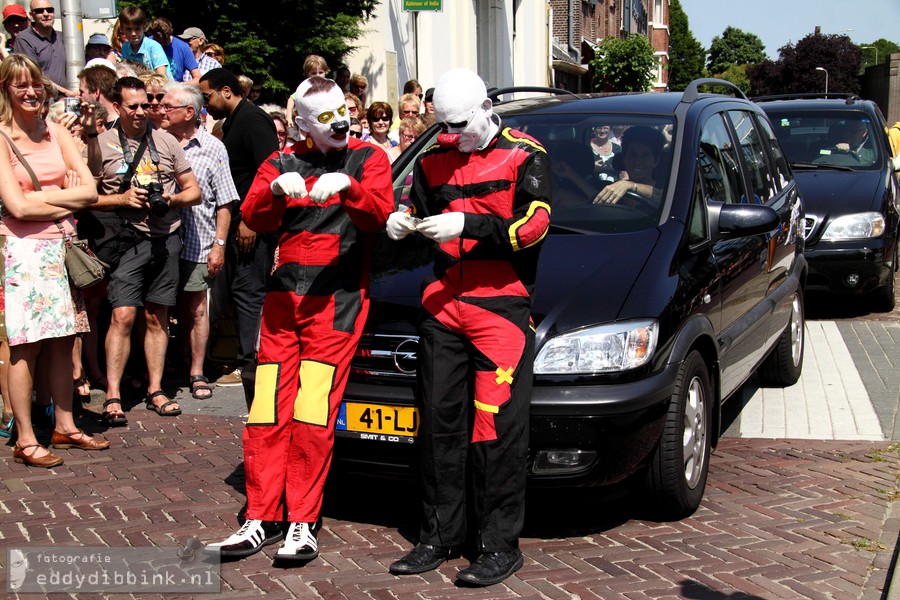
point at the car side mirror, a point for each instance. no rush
(739, 220)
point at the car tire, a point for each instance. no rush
(885, 296)
(785, 363)
(678, 471)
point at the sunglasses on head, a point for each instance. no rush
(40, 11)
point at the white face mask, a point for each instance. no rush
(462, 108)
(323, 118)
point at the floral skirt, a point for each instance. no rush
(39, 300)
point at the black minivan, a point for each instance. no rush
(649, 313)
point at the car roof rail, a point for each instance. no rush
(494, 93)
(850, 98)
(692, 92)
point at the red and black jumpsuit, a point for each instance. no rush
(476, 346)
(315, 307)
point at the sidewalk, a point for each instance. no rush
(782, 518)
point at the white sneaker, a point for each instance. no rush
(299, 543)
(249, 539)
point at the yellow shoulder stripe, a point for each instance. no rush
(507, 133)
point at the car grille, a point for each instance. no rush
(809, 226)
(386, 356)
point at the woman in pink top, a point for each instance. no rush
(42, 309)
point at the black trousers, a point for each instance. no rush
(496, 468)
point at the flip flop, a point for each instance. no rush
(7, 422)
(200, 388)
(161, 409)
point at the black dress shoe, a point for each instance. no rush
(424, 557)
(491, 568)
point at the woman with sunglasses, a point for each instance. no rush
(215, 51)
(156, 84)
(379, 117)
(43, 311)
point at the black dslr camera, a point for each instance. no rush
(158, 205)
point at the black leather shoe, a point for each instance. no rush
(424, 557)
(491, 568)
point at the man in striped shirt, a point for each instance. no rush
(205, 225)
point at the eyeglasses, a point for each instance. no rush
(206, 97)
(40, 11)
(157, 97)
(168, 107)
(210, 53)
(134, 107)
(384, 118)
(409, 112)
(361, 88)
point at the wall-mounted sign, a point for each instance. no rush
(416, 5)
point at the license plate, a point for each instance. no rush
(378, 420)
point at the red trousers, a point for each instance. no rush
(300, 379)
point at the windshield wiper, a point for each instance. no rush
(809, 165)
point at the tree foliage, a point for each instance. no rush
(268, 43)
(795, 70)
(737, 74)
(686, 55)
(624, 65)
(882, 47)
(734, 47)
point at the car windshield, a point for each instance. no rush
(590, 152)
(827, 138)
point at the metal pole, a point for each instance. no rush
(826, 78)
(73, 40)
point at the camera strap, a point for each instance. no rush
(133, 160)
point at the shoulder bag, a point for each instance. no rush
(83, 266)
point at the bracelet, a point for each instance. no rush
(634, 188)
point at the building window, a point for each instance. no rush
(658, 12)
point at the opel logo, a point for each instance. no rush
(404, 355)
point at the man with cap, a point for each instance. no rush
(196, 39)
(98, 46)
(44, 45)
(428, 103)
(15, 21)
(482, 194)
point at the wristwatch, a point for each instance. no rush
(220, 242)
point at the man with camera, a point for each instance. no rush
(138, 169)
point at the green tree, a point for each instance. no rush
(737, 74)
(686, 55)
(882, 47)
(734, 47)
(796, 71)
(269, 42)
(624, 65)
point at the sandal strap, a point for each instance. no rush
(163, 405)
(112, 401)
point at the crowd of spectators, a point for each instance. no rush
(148, 160)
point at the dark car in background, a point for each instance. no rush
(649, 313)
(838, 149)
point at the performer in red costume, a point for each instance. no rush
(312, 317)
(483, 195)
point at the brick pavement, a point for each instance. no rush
(781, 519)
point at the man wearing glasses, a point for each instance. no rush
(127, 161)
(249, 136)
(204, 225)
(44, 45)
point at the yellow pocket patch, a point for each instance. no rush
(316, 381)
(264, 409)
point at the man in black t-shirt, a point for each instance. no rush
(249, 137)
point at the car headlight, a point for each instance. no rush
(600, 349)
(855, 227)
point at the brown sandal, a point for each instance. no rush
(43, 462)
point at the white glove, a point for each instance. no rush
(289, 184)
(442, 228)
(399, 225)
(327, 186)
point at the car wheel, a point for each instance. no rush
(885, 298)
(785, 363)
(677, 475)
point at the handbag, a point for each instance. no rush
(83, 266)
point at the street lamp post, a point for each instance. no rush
(875, 48)
(826, 78)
